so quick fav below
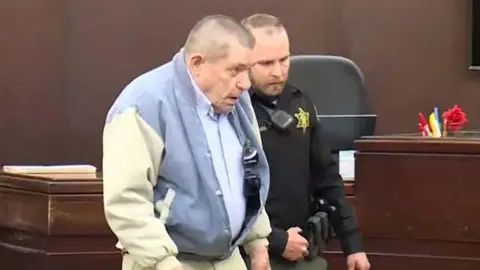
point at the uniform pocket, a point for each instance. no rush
(163, 206)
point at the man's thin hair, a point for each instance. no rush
(262, 20)
(213, 34)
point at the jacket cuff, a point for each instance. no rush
(168, 263)
(352, 243)
(250, 246)
(278, 241)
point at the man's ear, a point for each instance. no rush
(196, 61)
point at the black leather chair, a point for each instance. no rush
(336, 86)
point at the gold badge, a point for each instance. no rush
(303, 119)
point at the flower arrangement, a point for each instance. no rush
(451, 121)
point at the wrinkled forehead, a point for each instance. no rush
(238, 55)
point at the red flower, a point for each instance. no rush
(455, 118)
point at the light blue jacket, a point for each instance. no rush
(159, 186)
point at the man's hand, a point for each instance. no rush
(358, 261)
(259, 259)
(297, 245)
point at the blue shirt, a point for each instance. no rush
(226, 155)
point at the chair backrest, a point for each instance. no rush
(336, 86)
(334, 83)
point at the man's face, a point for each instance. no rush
(272, 61)
(223, 80)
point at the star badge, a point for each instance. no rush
(303, 119)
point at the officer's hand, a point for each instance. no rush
(358, 261)
(297, 245)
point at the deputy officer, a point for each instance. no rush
(301, 165)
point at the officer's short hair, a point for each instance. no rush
(212, 36)
(262, 20)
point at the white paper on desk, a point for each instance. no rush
(49, 169)
(346, 164)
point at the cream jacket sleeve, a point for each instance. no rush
(257, 237)
(261, 229)
(132, 153)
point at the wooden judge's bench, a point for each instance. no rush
(417, 201)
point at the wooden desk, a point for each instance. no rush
(418, 203)
(48, 224)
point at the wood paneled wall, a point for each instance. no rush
(63, 62)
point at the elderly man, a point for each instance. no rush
(301, 165)
(185, 177)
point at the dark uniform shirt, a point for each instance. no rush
(301, 167)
